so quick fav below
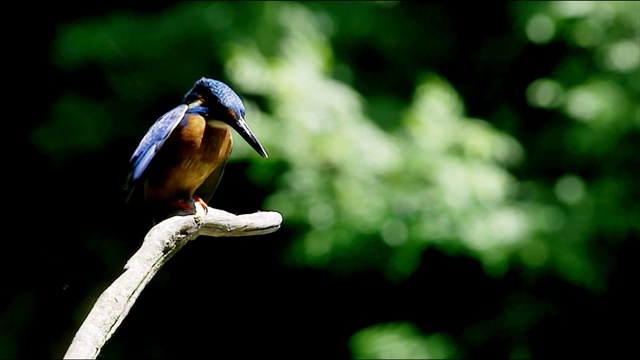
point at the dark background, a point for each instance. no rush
(69, 231)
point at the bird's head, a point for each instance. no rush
(225, 105)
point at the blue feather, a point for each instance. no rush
(152, 142)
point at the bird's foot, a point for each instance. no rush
(204, 205)
(181, 207)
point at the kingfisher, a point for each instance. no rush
(181, 158)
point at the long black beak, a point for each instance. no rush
(243, 129)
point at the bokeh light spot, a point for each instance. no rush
(570, 189)
(623, 56)
(321, 216)
(400, 341)
(545, 93)
(540, 29)
(573, 8)
(394, 232)
(582, 104)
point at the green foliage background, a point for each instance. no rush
(456, 180)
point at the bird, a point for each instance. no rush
(181, 158)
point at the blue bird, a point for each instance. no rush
(181, 158)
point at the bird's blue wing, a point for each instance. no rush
(151, 143)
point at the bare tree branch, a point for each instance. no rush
(159, 245)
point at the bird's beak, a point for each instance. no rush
(243, 129)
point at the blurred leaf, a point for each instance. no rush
(400, 341)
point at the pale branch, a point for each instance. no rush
(159, 245)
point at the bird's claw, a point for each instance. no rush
(204, 205)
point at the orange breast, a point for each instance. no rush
(187, 158)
